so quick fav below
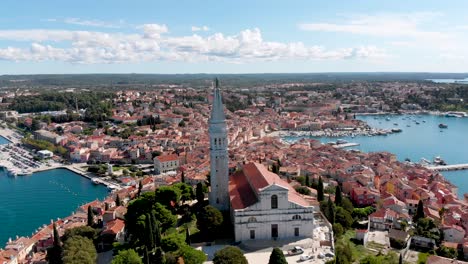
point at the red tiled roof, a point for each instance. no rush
(166, 158)
(243, 194)
(114, 226)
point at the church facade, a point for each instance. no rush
(262, 205)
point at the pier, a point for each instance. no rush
(345, 145)
(449, 167)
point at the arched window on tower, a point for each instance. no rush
(252, 220)
(274, 202)
(215, 141)
(297, 217)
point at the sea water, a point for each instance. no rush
(28, 202)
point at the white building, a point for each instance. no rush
(219, 167)
(165, 163)
(264, 206)
(45, 154)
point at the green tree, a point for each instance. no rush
(165, 217)
(199, 193)
(330, 211)
(117, 200)
(343, 217)
(338, 196)
(127, 257)
(159, 256)
(191, 255)
(149, 233)
(182, 177)
(166, 195)
(84, 231)
(185, 190)
(419, 211)
(447, 252)
(307, 181)
(320, 194)
(90, 216)
(209, 219)
(302, 190)
(54, 253)
(79, 250)
(140, 186)
(338, 230)
(229, 255)
(277, 257)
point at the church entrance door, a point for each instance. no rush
(274, 231)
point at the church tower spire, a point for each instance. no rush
(219, 171)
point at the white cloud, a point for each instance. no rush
(152, 43)
(384, 25)
(203, 28)
(87, 22)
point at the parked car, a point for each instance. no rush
(295, 251)
(306, 257)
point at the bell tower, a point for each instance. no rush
(219, 170)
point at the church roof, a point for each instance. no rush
(254, 178)
(217, 111)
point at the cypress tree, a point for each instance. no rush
(419, 212)
(182, 177)
(90, 216)
(307, 181)
(277, 257)
(320, 195)
(140, 186)
(199, 193)
(146, 258)
(338, 196)
(187, 236)
(117, 200)
(157, 233)
(56, 237)
(149, 233)
(331, 211)
(54, 253)
(159, 256)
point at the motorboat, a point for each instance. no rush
(443, 125)
(439, 161)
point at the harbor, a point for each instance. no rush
(411, 144)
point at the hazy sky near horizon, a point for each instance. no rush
(212, 36)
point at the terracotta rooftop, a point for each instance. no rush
(252, 179)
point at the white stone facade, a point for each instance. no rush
(258, 221)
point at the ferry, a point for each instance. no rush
(341, 141)
(24, 173)
(443, 125)
(439, 161)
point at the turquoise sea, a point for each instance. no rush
(28, 202)
(425, 140)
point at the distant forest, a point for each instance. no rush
(204, 80)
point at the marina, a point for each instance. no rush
(412, 145)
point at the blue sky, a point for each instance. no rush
(152, 36)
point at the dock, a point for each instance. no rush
(345, 145)
(453, 167)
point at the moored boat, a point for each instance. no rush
(443, 125)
